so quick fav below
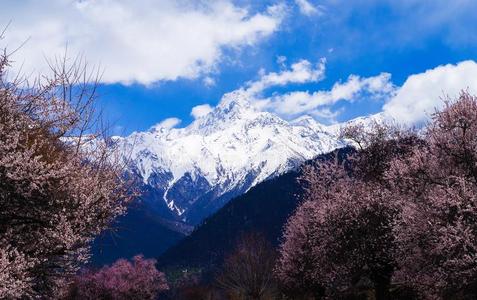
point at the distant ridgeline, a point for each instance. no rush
(263, 209)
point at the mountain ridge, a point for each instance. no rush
(195, 170)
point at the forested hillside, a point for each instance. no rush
(264, 210)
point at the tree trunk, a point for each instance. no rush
(381, 290)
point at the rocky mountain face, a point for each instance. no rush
(189, 173)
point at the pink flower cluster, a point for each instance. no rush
(399, 213)
(138, 279)
(58, 189)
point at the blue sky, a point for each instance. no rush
(174, 55)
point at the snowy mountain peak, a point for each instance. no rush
(195, 170)
(234, 109)
(236, 100)
(306, 121)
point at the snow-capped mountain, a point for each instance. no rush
(195, 170)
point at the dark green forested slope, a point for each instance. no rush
(263, 209)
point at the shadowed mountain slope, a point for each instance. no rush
(263, 209)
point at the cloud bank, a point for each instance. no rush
(167, 124)
(307, 8)
(302, 71)
(318, 103)
(140, 41)
(200, 110)
(422, 93)
(411, 103)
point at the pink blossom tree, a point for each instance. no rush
(138, 279)
(437, 234)
(402, 212)
(341, 237)
(60, 186)
(296, 267)
(346, 233)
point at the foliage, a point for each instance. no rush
(248, 272)
(193, 286)
(341, 237)
(59, 186)
(138, 279)
(207, 246)
(437, 234)
(297, 263)
(400, 213)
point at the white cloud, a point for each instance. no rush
(411, 103)
(307, 8)
(319, 102)
(208, 81)
(422, 93)
(135, 41)
(301, 72)
(168, 123)
(281, 60)
(325, 114)
(200, 110)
